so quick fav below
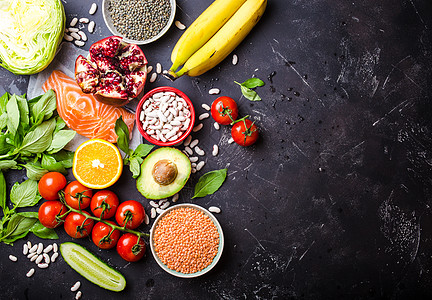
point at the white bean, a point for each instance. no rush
(33, 249)
(194, 143)
(13, 257)
(214, 91)
(165, 205)
(54, 256)
(153, 77)
(154, 204)
(216, 125)
(30, 255)
(193, 165)
(203, 116)
(79, 43)
(234, 59)
(39, 248)
(46, 258)
(175, 123)
(30, 273)
(230, 141)
(93, 9)
(42, 266)
(82, 35)
(193, 170)
(170, 134)
(39, 259)
(75, 35)
(149, 69)
(199, 151)
(55, 247)
(84, 20)
(193, 159)
(68, 37)
(159, 211)
(153, 213)
(73, 22)
(200, 165)
(188, 150)
(29, 245)
(48, 248)
(76, 286)
(78, 295)
(179, 25)
(175, 197)
(73, 29)
(205, 106)
(25, 249)
(158, 68)
(198, 127)
(214, 209)
(91, 26)
(146, 219)
(188, 140)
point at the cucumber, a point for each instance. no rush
(91, 267)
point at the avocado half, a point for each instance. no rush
(164, 172)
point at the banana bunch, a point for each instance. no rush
(214, 35)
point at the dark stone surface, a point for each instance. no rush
(334, 201)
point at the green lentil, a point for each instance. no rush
(139, 19)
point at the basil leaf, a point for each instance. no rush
(60, 124)
(51, 164)
(29, 214)
(13, 115)
(209, 183)
(253, 83)
(38, 140)
(3, 120)
(17, 227)
(12, 238)
(122, 132)
(250, 94)
(142, 150)
(25, 194)
(60, 139)
(44, 233)
(65, 158)
(7, 164)
(24, 111)
(43, 109)
(2, 190)
(4, 99)
(34, 172)
(135, 166)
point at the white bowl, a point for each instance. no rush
(109, 23)
(215, 259)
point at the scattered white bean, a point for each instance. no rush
(158, 68)
(203, 116)
(194, 143)
(93, 9)
(214, 209)
(153, 213)
(179, 25)
(48, 248)
(215, 150)
(205, 106)
(193, 170)
(199, 151)
(149, 69)
(30, 255)
(78, 295)
(175, 197)
(76, 286)
(84, 20)
(30, 273)
(39, 259)
(73, 29)
(33, 249)
(82, 35)
(33, 258)
(79, 43)
(40, 248)
(146, 219)
(159, 211)
(198, 127)
(13, 257)
(55, 247)
(193, 159)
(214, 91)
(193, 165)
(165, 205)
(188, 140)
(68, 37)
(75, 35)
(25, 249)
(153, 77)
(42, 266)
(154, 204)
(46, 258)
(29, 245)
(54, 256)
(73, 22)
(200, 165)
(234, 59)
(189, 150)
(91, 26)
(216, 125)
(230, 141)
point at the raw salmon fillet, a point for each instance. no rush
(82, 112)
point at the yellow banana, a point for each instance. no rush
(224, 41)
(202, 29)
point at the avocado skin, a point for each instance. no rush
(149, 188)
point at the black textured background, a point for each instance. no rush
(334, 201)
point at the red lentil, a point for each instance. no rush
(186, 240)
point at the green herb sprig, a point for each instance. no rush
(248, 86)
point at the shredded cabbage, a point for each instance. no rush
(30, 33)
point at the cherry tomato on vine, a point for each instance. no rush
(104, 204)
(50, 184)
(77, 226)
(50, 212)
(244, 132)
(224, 110)
(130, 212)
(104, 236)
(129, 248)
(77, 195)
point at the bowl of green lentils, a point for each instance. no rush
(139, 21)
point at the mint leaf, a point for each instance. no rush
(248, 85)
(253, 83)
(209, 183)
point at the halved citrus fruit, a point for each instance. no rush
(97, 164)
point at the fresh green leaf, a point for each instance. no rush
(50, 163)
(10, 239)
(253, 83)
(64, 157)
(39, 139)
(60, 124)
(3, 101)
(209, 183)
(34, 171)
(5, 147)
(25, 194)
(44, 233)
(135, 166)
(250, 94)
(17, 227)
(3, 120)
(13, 115)
(122, 132)
(43, 109)
(60, 139)
(24, 111)
(7, 164)
(142, 150)
(2, 191)
(29, 214)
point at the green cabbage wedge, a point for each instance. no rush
(30, 33)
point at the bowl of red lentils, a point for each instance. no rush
(186, 240)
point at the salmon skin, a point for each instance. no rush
(82, 112)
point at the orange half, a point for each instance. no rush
(97, 164)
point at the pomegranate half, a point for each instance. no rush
(114, 71)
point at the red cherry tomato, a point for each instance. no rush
(49, 213)
(77, 195)
(244, 132)
(77, 226)
(104, 236)
(130, 212)
(129, 248)
(50, 184)
(104, 204)
(222, 108)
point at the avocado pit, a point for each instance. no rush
(164, 172)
